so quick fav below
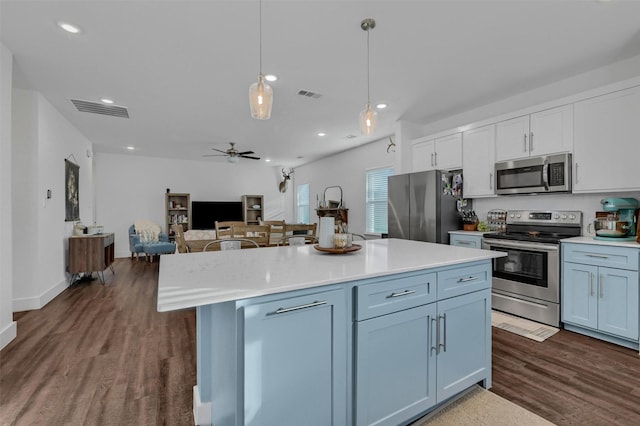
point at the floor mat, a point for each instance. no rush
(522, 327)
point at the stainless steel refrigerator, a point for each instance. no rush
(423, 206)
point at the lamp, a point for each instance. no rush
(260, 93)
(368, 117)
(233, 159)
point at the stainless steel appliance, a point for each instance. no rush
(549, 173)
(527, 282)
(423, 206)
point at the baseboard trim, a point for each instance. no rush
(38, 302)
(201, 411)
(8, 334)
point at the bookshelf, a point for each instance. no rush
(252, 215)
(177, 211)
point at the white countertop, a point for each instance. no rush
(196, 279)
(591, 240)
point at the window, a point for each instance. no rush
(302, 203)
(377, 200)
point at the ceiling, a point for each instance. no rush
(183, 68)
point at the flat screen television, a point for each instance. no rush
(204, 214)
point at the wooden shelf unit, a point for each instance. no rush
(177, 211)
(90, 253)
(251, 215)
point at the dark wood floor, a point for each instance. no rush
(101, 354)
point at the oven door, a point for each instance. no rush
(529, 269)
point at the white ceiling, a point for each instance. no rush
(183, 68)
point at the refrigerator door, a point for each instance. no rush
(423, 221)
(448, 217)
(398, 206)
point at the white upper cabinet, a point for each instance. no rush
(606, 150)
(545, 132)
(478, 158)
(442, 153)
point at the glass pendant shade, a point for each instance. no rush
(368, 121)
(260, 99)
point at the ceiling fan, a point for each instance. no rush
(232, 154)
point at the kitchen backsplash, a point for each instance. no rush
(588, 204)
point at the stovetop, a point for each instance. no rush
(547, 226)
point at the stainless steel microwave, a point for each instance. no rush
(545, 174)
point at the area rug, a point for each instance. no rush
(479, 407)
(522, 327)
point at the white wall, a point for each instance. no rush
(42, 139)
(131, 187)
(348, 170)
(7, 325)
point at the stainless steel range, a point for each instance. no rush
(527, 282)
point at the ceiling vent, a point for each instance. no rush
(309, 94)
(98, 108)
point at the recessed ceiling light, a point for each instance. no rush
(106, 101)
(268, 160)
(131, 148)
(381, 106)
(270, 77)
(70, 28)
(322, 134)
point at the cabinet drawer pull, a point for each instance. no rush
(402, 293)
(297, 308)
(599, 256)
(465, 243)
(466, 280)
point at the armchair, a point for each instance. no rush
(150, 240)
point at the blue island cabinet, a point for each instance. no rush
(420, 340)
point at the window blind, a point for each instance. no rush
(302, 203)
(377, 196)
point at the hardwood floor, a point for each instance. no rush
(101, 355)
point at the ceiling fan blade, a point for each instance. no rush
(224, 152)
(245, 153)
(215, 155)
(253, 158)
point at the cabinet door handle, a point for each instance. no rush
(444, 332)
(297, 308)
(599, 256)
(435, 158)
(466, 280)
(525, 143)
(402, 293)
(432, 159)
(490, 180)
(432, 347)
(591, 282)
(531, 142)
(601, 286)
(576, 172)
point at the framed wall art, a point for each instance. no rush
(71, 196)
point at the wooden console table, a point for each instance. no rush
(89, 253)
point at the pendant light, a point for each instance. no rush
(368, 117)
(260, 93)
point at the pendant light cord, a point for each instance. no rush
(368, 67)
(260, 27)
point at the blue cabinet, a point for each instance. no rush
(409, 360)
(466, 240)
(295, 350)
(600, 290)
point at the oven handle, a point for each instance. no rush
(521, 245)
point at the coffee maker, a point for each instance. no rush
(621, 222)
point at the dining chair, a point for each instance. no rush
(178, 232)
(230, 244)
(297, 240)
(223, 228)
(300, 229)
(277, 230)
(258, 233)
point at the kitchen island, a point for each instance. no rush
(290, 335)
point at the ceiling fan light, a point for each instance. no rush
(368, 120)
(233, 159)
(260, 99)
